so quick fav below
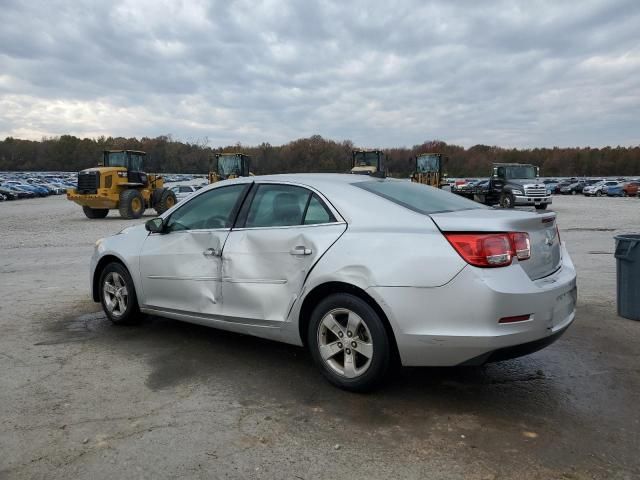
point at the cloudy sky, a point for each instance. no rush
(521, 74)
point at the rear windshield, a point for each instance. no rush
(417, 197)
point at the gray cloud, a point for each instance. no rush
(521, 74)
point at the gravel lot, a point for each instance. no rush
(80, 398)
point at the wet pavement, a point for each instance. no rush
(80, 397)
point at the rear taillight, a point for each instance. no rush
(491, 249)
(521, 245)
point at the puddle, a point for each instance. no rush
(77, 329)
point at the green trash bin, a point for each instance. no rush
(628, 275)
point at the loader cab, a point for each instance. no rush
(368, 162)
(132, 160)
(429, 170)
(229, 165)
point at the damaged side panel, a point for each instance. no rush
(264, 269)
(183, 271)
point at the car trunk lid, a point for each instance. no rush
(543, 234)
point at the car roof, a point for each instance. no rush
(356, 205)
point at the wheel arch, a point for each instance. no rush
(319, 292)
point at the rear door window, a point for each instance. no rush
(277, 205)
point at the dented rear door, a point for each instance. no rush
(264, 266)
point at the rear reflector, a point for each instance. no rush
(517, 318)
(491, 249)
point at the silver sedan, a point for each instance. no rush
(359, 270)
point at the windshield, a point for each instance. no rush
(417, 197)
(520, 172)
(229, 165)
(369, 159)
(115, 159)
(428, 163)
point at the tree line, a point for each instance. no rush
(313, 154)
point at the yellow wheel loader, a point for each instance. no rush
(429, 170)
(228, 166)
(368, 162)
(119, 182)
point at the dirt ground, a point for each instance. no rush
(80, 398)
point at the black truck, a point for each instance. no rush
(514, 184)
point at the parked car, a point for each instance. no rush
(598, 189)
(630, 189)
(616, 190)
(183, 191)
(352, 267)
(8, 194)
(19, 192)
(38, 191)
(560, 185)
(572, 188)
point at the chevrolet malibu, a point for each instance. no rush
(359, 270)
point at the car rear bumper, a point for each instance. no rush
(458, 323)
(526, 200)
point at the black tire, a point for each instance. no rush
(598, 193)
(573, 192)
(131, 204)
(542, 206)
(95, 212)
(130, 314)
(624, 193)
(507, 200)
(378, 342)
(166, 200)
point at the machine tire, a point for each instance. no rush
(372, 326)
(507, 200)
(117, 277)
(131, 204)
(166, 200)
(542, 206)
(95, 212)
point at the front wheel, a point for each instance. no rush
(507, 200)
(131, 204)
(348, 342)
(95, 212)
(598, 193)
(118, 294)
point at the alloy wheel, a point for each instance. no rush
(345, 343)
(115, 293)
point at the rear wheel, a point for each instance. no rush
(507, 200)
(349, 342)
(131, 204)
(166, 200)
(95, 212)
(118, 294)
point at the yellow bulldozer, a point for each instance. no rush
(228, 166)
(429, 170)
(368, 162)
(119, 182)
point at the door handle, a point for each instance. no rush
(300, 250)
(212, 252)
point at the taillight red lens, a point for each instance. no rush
(521, 245)
(491, 249)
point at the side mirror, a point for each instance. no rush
(155, 225)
